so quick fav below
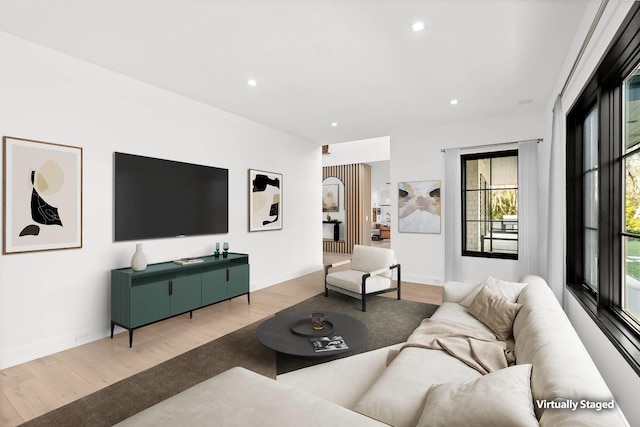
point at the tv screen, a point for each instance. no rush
(157, 198)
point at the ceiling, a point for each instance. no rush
(353, 62)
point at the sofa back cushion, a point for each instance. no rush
(544, 337)
(495, 311)
(509, 290)
(368, 258)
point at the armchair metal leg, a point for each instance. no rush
(364, 291)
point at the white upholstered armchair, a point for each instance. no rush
(370, 273)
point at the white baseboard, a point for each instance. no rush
(423, 280)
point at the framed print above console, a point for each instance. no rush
(42, 199)
(265, 200)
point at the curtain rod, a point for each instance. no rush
(497, 144)
(585, 43)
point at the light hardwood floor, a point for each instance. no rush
(37, 387)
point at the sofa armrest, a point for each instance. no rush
(531, 278)
(337, 264)
(381, 270)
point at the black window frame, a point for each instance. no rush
(477, 156)
(604, 90)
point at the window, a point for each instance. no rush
(590, 199)
(490, 205)
(631, 168)
(603, 193)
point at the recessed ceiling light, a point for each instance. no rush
(252, 82)
(453, 102)
(417, 26)
(334, 124)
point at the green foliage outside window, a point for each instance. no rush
(503, 202)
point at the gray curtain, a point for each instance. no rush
(452, 215)
(556, 211)
(528, 237)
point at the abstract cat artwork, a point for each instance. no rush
(265, 200)
(42, 196)
(419, 207)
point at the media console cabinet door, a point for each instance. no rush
(214, 286)
(149, 302)
(186, 295)
(225, 283)
(238, 281)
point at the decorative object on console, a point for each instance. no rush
(139, 259)
(216, 253)
(265, 200)
(419, 207)
(225, 248)
(43, 196)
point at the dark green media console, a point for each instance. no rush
(139, 298)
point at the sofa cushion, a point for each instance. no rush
(501, 398)
(509, 290)
(239, 397)
(495, 311)
(351, 280)
(453, 291)
(398, 396)
(457, 313)
(582, 417)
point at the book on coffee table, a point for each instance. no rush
(328, 343)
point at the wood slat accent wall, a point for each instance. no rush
(357, 201)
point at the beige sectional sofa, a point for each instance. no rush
(553, 382)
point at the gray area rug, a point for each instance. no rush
(389, 321)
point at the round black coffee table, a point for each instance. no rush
(287, 333)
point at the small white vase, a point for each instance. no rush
(139, 259)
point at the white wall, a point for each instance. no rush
(361, 151)
(416, 156)
(54, 300)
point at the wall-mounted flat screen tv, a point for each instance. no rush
(156, 198)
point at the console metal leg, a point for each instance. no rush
(130, 338)
(113, 325)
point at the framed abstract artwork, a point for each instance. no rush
(265, 200)
(330, 198)
(419, 207)
(42, 199)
